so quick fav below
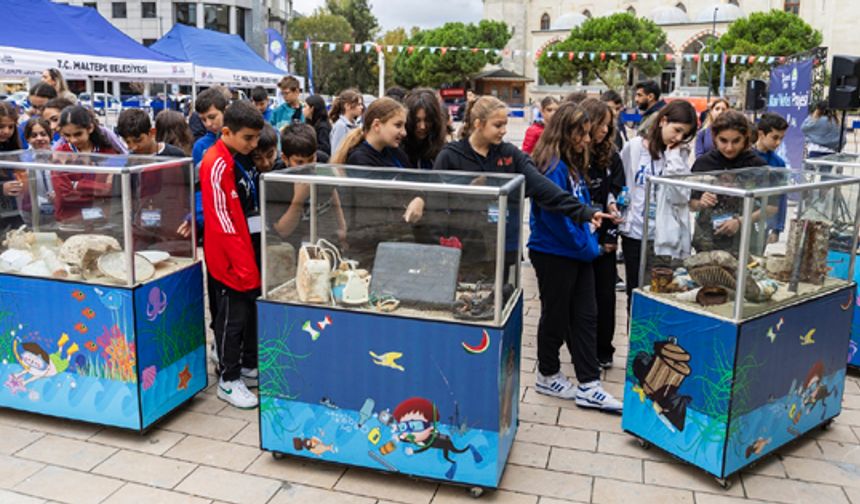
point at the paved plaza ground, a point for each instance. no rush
(208, 452)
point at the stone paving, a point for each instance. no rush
(207, 452)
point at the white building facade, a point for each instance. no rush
(688, 24)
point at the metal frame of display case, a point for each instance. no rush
(748, 195)
(294, 175)
(125, 172)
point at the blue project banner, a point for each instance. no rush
(789, 95)
(276, 50)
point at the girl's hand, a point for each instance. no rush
(414, 211)
(184, 229)
(729, 228)
(12, 188)
(707, 200)
(616, 214)
(597, 218)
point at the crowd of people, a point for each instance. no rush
(577, 161)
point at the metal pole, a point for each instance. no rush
(264, 257)
(380, 61)
(743, 258)
(500, 258)
(521, 246)
(193, 222)
(643, 251)
(313, 212)
(714, 35)
(128, 233)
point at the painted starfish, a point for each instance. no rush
(184, 378)
(15, 384)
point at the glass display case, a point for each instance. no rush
(407, 283)
(778, 223)
(94, 218)
(101, 292)
(338, 236)
(738, 330)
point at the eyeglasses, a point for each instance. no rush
(413, 426)
(37, 134)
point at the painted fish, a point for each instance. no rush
(757, 446)
(91, 346)
(308, 328)
(779, 324)
(324, 323)
(807, 340)
(388, 360)
(81, 328)
(80, 296)
(88, 313)
(771, 335)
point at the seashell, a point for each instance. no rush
(76, 247)
(712, 276)
(148, 377)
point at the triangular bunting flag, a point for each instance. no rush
(696, 58)
(670, 57)
(602, 56)
(624, 56)
(592, 56)
(331, 47)
(751, 60)
(347, 47)
(633, 56)
(444, 50)
(410, 49)
(474, 50)
(296, 45)
(570, 56)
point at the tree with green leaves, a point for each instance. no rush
(331, 68)
(774, 33)
(458, 55)
(365, 28)
(620, 32)
(393, 38)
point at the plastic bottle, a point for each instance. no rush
(623, 199)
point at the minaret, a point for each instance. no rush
(515, 14)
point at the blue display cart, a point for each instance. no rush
(425, 398)
(839, 261)
(721, 394)
(112, 355)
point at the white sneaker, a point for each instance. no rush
(251, 377)
(236, 393)
(557, 385)
(592, 395)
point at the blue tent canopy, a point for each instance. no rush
(39, 34)
(218, 58)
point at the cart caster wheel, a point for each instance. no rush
(277, 455)
(645, 445)
(725, 483)
(476, 492)
(826, 425)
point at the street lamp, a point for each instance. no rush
(713, 37)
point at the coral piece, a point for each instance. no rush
(77, 247)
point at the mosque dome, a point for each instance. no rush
(568, 21)
(726, 13)
(669, 15)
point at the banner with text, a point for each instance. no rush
(789, 94)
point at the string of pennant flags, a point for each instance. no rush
(368, 47)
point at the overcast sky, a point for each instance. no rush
(409, 13)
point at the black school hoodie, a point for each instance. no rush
(507, 158)
(606, 180)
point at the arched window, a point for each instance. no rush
(587, 13)
(631, 10)
(792, 6)
(544, 21)
(681, 6)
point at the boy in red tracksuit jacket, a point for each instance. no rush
(231, 211)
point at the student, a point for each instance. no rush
(298, 148)
(12, 187)
(51, 113)
(482, 148)
(260, 97)
(770, 131)
(135, 128)
(396, 93)
(718, 220)
(426, 128)
(616, 103)
(37, 132)
(822, 131)
(54, 78)
(704, 138)
(561, 253)
(171, 128)
(39, 95)
(649, 103)
(230, 252)
(344, 113)
(210, 105)
(377, 142)
(317, 116)
(289, 112)
(548, 106)
(657, 153)
(606, 178)
(82, 199)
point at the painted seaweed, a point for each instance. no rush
(111, 356)
(276, 361)
(178, 338)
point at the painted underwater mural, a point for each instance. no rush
(721, 395)
(839, 261)
(75, 350)
(430, 399)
